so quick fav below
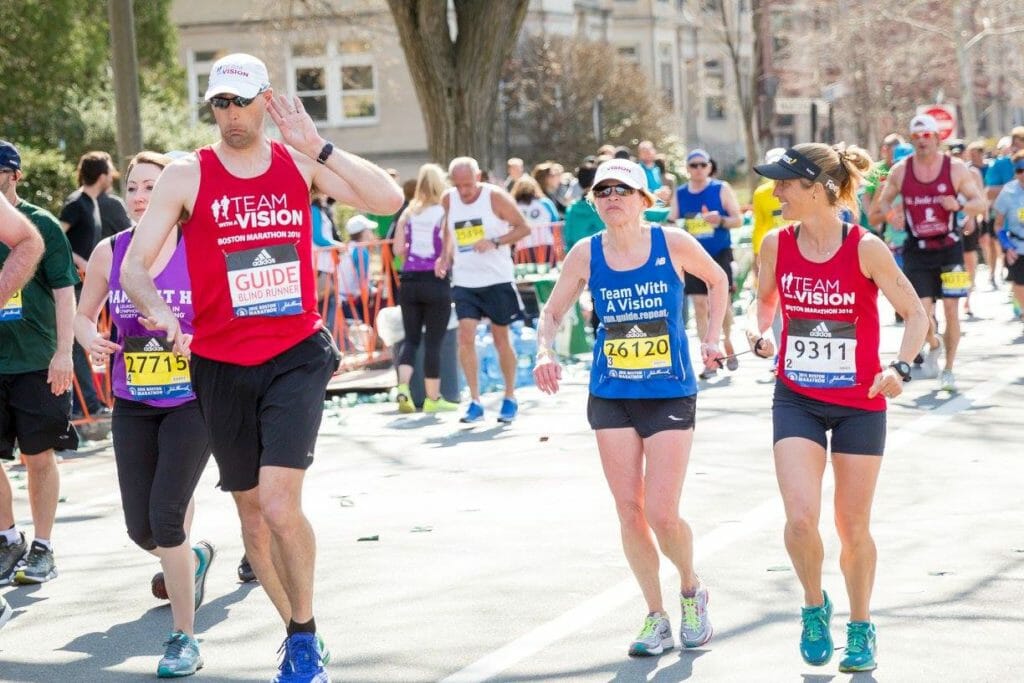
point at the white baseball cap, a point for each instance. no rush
(924, 123)
(358, 224)
(626, 172)
(237, 74)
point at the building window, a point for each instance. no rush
(337, 82)
(628, 53)
(715, 107)
(200, 63)
(666, 74)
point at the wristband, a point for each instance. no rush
(325, 153)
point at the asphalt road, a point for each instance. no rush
(496, 552)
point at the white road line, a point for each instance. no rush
(766, 513)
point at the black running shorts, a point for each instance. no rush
(1016, 271)
(694, 285)
(33, 417)
(854, 431)
(266, 414)
(924, 268)
(499, 303)
(647, 416)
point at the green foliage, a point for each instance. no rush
(55, 56)
(48, 178)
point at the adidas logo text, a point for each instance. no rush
(821, 330)
(263, 259)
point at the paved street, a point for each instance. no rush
(496, 551)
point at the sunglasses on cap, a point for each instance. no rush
(924, 135)
(606, 190)
(219, 102)
(698, 164)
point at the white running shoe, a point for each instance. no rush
(947, 381)
(654, 638)
(930, 366)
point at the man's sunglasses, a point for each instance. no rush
(620, 190)
(922, 136)
(225, 102)
(1016, 170)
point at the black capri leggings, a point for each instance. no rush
(160, 454)
(426, 300)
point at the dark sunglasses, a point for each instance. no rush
(620, 190)
(698, 164)
(241, 102)
(1016, 170)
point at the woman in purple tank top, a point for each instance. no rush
(425, 290)
(160, 442)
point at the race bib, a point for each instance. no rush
(638, 350)
(821, 353)
(698, 227)
(956, 282)
(468, 233)
(12, 309)
(265, 281)
(154, 371)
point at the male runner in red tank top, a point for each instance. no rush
(933, 255)
(260, 357)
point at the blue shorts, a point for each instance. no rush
(854, 431)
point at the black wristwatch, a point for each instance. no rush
(325, 153)
(902, 368)
(496, 241)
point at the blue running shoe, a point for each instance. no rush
(474, 413)
(861, 646)
(509, 410)
(302, 661)
(181, 657)
(815, 638)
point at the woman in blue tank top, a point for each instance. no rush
(642, 386)
(707, 208)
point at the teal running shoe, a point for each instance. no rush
(861, 646)
(205, 553)
(816, 639)
(654, 638)
(181, 658)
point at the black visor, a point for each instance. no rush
(790, 165)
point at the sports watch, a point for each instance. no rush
(902, 368)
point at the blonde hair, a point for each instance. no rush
(430, 185)
(526, 189)
(843, 165)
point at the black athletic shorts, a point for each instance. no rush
(854, 431)
(266, 414)
(694, 285)
(33, 417)
(971, 241)
(924, 268)
(987, 227)
(1015, 273)
(499, 303)
(647, 416)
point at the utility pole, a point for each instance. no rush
(126, 79)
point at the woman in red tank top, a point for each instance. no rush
(825, 275)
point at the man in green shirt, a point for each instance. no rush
(35, 384)
(581, 219)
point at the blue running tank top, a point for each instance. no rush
(714, 239)
(641, 350)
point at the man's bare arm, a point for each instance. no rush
(26, 245)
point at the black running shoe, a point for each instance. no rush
(245, 572)
(10, 555)
(38, 566)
